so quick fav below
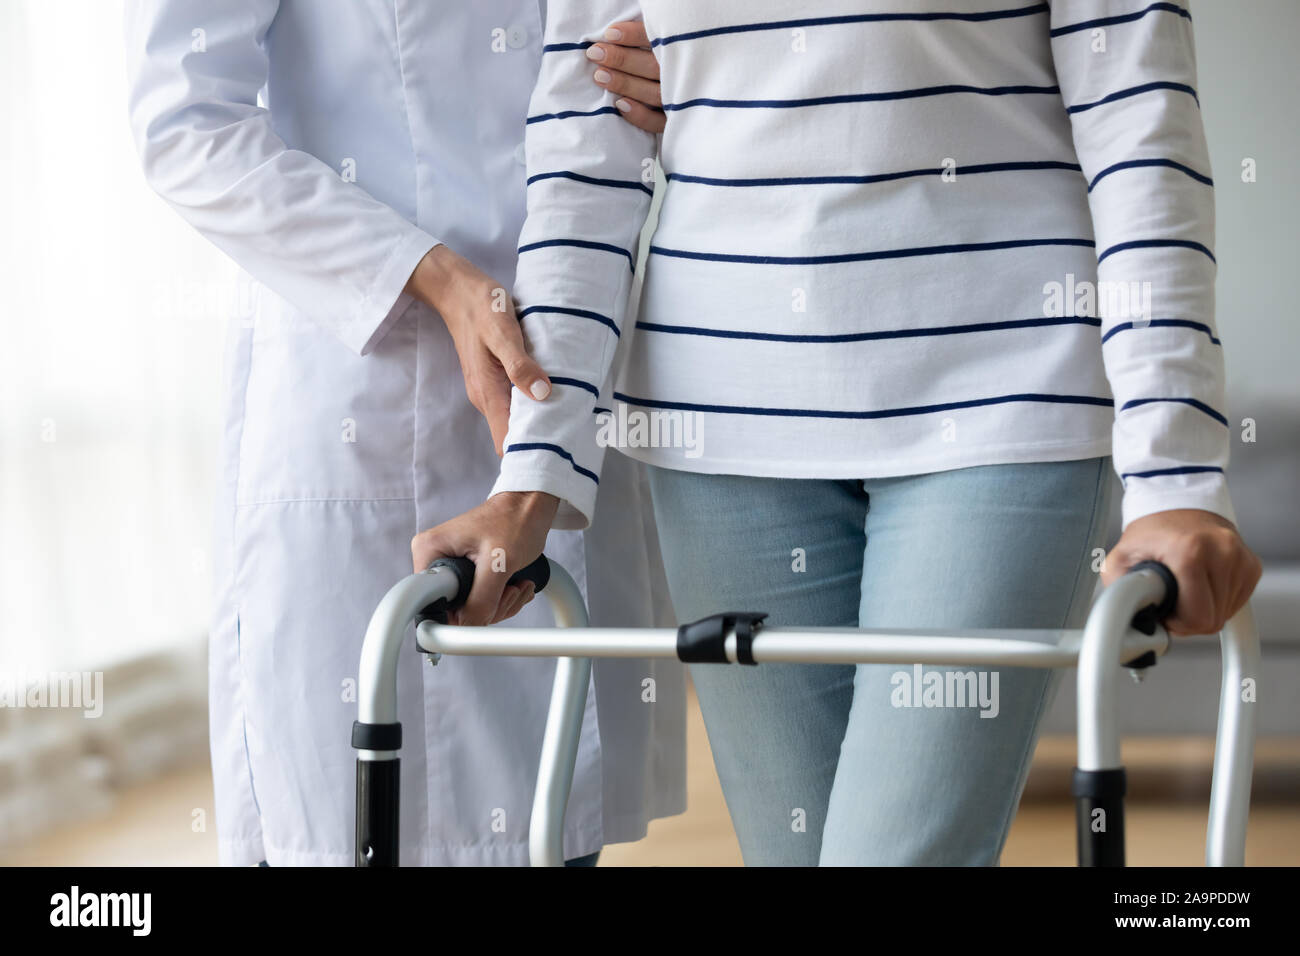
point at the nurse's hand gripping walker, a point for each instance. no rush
(1123, 629)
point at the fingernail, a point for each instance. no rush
(613, 35)
(539, 389)
(623, 105)
(595, 53)
(600, 76)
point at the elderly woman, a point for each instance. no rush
(858, 289)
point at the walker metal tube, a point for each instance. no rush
(377, 677)
(563, 730)
(1109, 623)
(1234, 746)
(377, 733)
(559, 754)
(821, 645)
(1099, 780)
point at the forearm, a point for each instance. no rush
(436, 277)
(588, 196)
(1128, 81)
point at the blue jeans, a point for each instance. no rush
(869, 765)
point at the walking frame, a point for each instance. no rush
(1122, 630)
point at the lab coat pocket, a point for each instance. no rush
(320, 422)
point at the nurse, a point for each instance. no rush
(363, 163)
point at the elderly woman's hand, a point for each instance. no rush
(505, 533)
(1216, 572)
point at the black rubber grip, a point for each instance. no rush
(1146, 619)
(539, 572)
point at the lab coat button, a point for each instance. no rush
(521, 157)
(517, 38)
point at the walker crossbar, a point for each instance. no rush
(1121, 630)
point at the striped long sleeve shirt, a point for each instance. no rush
(896, 238)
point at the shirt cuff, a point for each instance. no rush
(544, 470)
(1148, 496)
(385, 302)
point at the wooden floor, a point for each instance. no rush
(153, 824)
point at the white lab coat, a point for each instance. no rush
(326, 146)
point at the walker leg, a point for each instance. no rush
(378, 788)
(1099, 816)
(1234, 745)
(559, 754)
(377, 734)
(1099, 781)
(563, 732)
(1098, 784)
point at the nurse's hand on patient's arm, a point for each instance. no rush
(516, 522)
(480, 315)
(1215, 570)
(627, 68)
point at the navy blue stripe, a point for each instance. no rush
(860, 97)
(556, 449)
(1180, 323)
(1157, 244)
(1134, 163)
(602, 411)
(575, 383)
(580, 244)
(866, 256)
(561, 47)
(849, 18)
(877, 178)
(1121, 18)
(1198, 405)
(570, 114)
(580, 313)
(1135, 91)
(879, 413)
(1182, 470)
(593, 181)
(868, 336)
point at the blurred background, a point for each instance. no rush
(113, 313)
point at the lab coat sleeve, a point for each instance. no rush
(590, 177)
(325, 245)
(1127, 73)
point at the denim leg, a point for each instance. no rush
(1005, 546)
(792, 549)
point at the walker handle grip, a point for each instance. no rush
(1146, 619)
(539, 572)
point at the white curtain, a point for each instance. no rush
(112, 318)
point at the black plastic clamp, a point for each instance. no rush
(376, 736)
(705, 641)
(1143, 662)
(1099, 784)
